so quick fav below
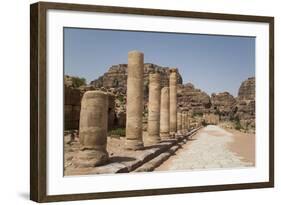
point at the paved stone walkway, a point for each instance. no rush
(208, 149)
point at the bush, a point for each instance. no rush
(121, 98)
(118, 131)
(77, 82)
(238, 125)
(200, 114)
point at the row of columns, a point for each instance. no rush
(162, 105)
(163, 119)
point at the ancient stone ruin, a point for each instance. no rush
(134, 101)
(152, 106)
(93, 129)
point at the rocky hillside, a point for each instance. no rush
(116, 77)
(223, 104)
(192, 99)
(240, 110)
(247, 89)
(245, 105)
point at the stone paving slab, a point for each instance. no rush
(209, 151)
(153, 154)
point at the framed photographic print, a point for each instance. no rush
(134, 102)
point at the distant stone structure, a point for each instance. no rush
(211, 118)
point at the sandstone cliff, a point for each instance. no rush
(245, 106)
(192, 99)
(116, 77)
(197, 102)
(223, 104)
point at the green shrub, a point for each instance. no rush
(77, 82)
(118, 131)
(238, 126)
(200, 114)
(121, 98)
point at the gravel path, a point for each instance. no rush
(207, 150)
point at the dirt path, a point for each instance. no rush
(212, 147)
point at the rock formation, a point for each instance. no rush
(116, 77)
(192, 99)
(245, 106)
(223, 104)
(189, 98)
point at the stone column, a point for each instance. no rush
(165, 114)
(134, 108)
(173, 101)
(93, 129)
(187, 120)
(153, 127)
(184, 121)
(179, 122)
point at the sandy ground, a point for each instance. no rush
(244, 145)
(115, 148)
(213, 147)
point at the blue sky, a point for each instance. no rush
(212, 63)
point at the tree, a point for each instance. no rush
(77, 81)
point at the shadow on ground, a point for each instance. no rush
(121, 159)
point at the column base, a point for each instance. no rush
(165, 136)
(133, 144)
(153, 140)
(90, 158)
(172, 135)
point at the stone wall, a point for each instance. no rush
(72, 105)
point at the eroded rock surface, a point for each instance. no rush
(245, 106)
(223, 104)
(193, 99)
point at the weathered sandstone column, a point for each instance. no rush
(165, 114)
(187, 121)
(184, 121)
(173, 101)
(179, 122)
(153, 126)
(93, 129)
(134, 106)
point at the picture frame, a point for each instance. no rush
(39, 92)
